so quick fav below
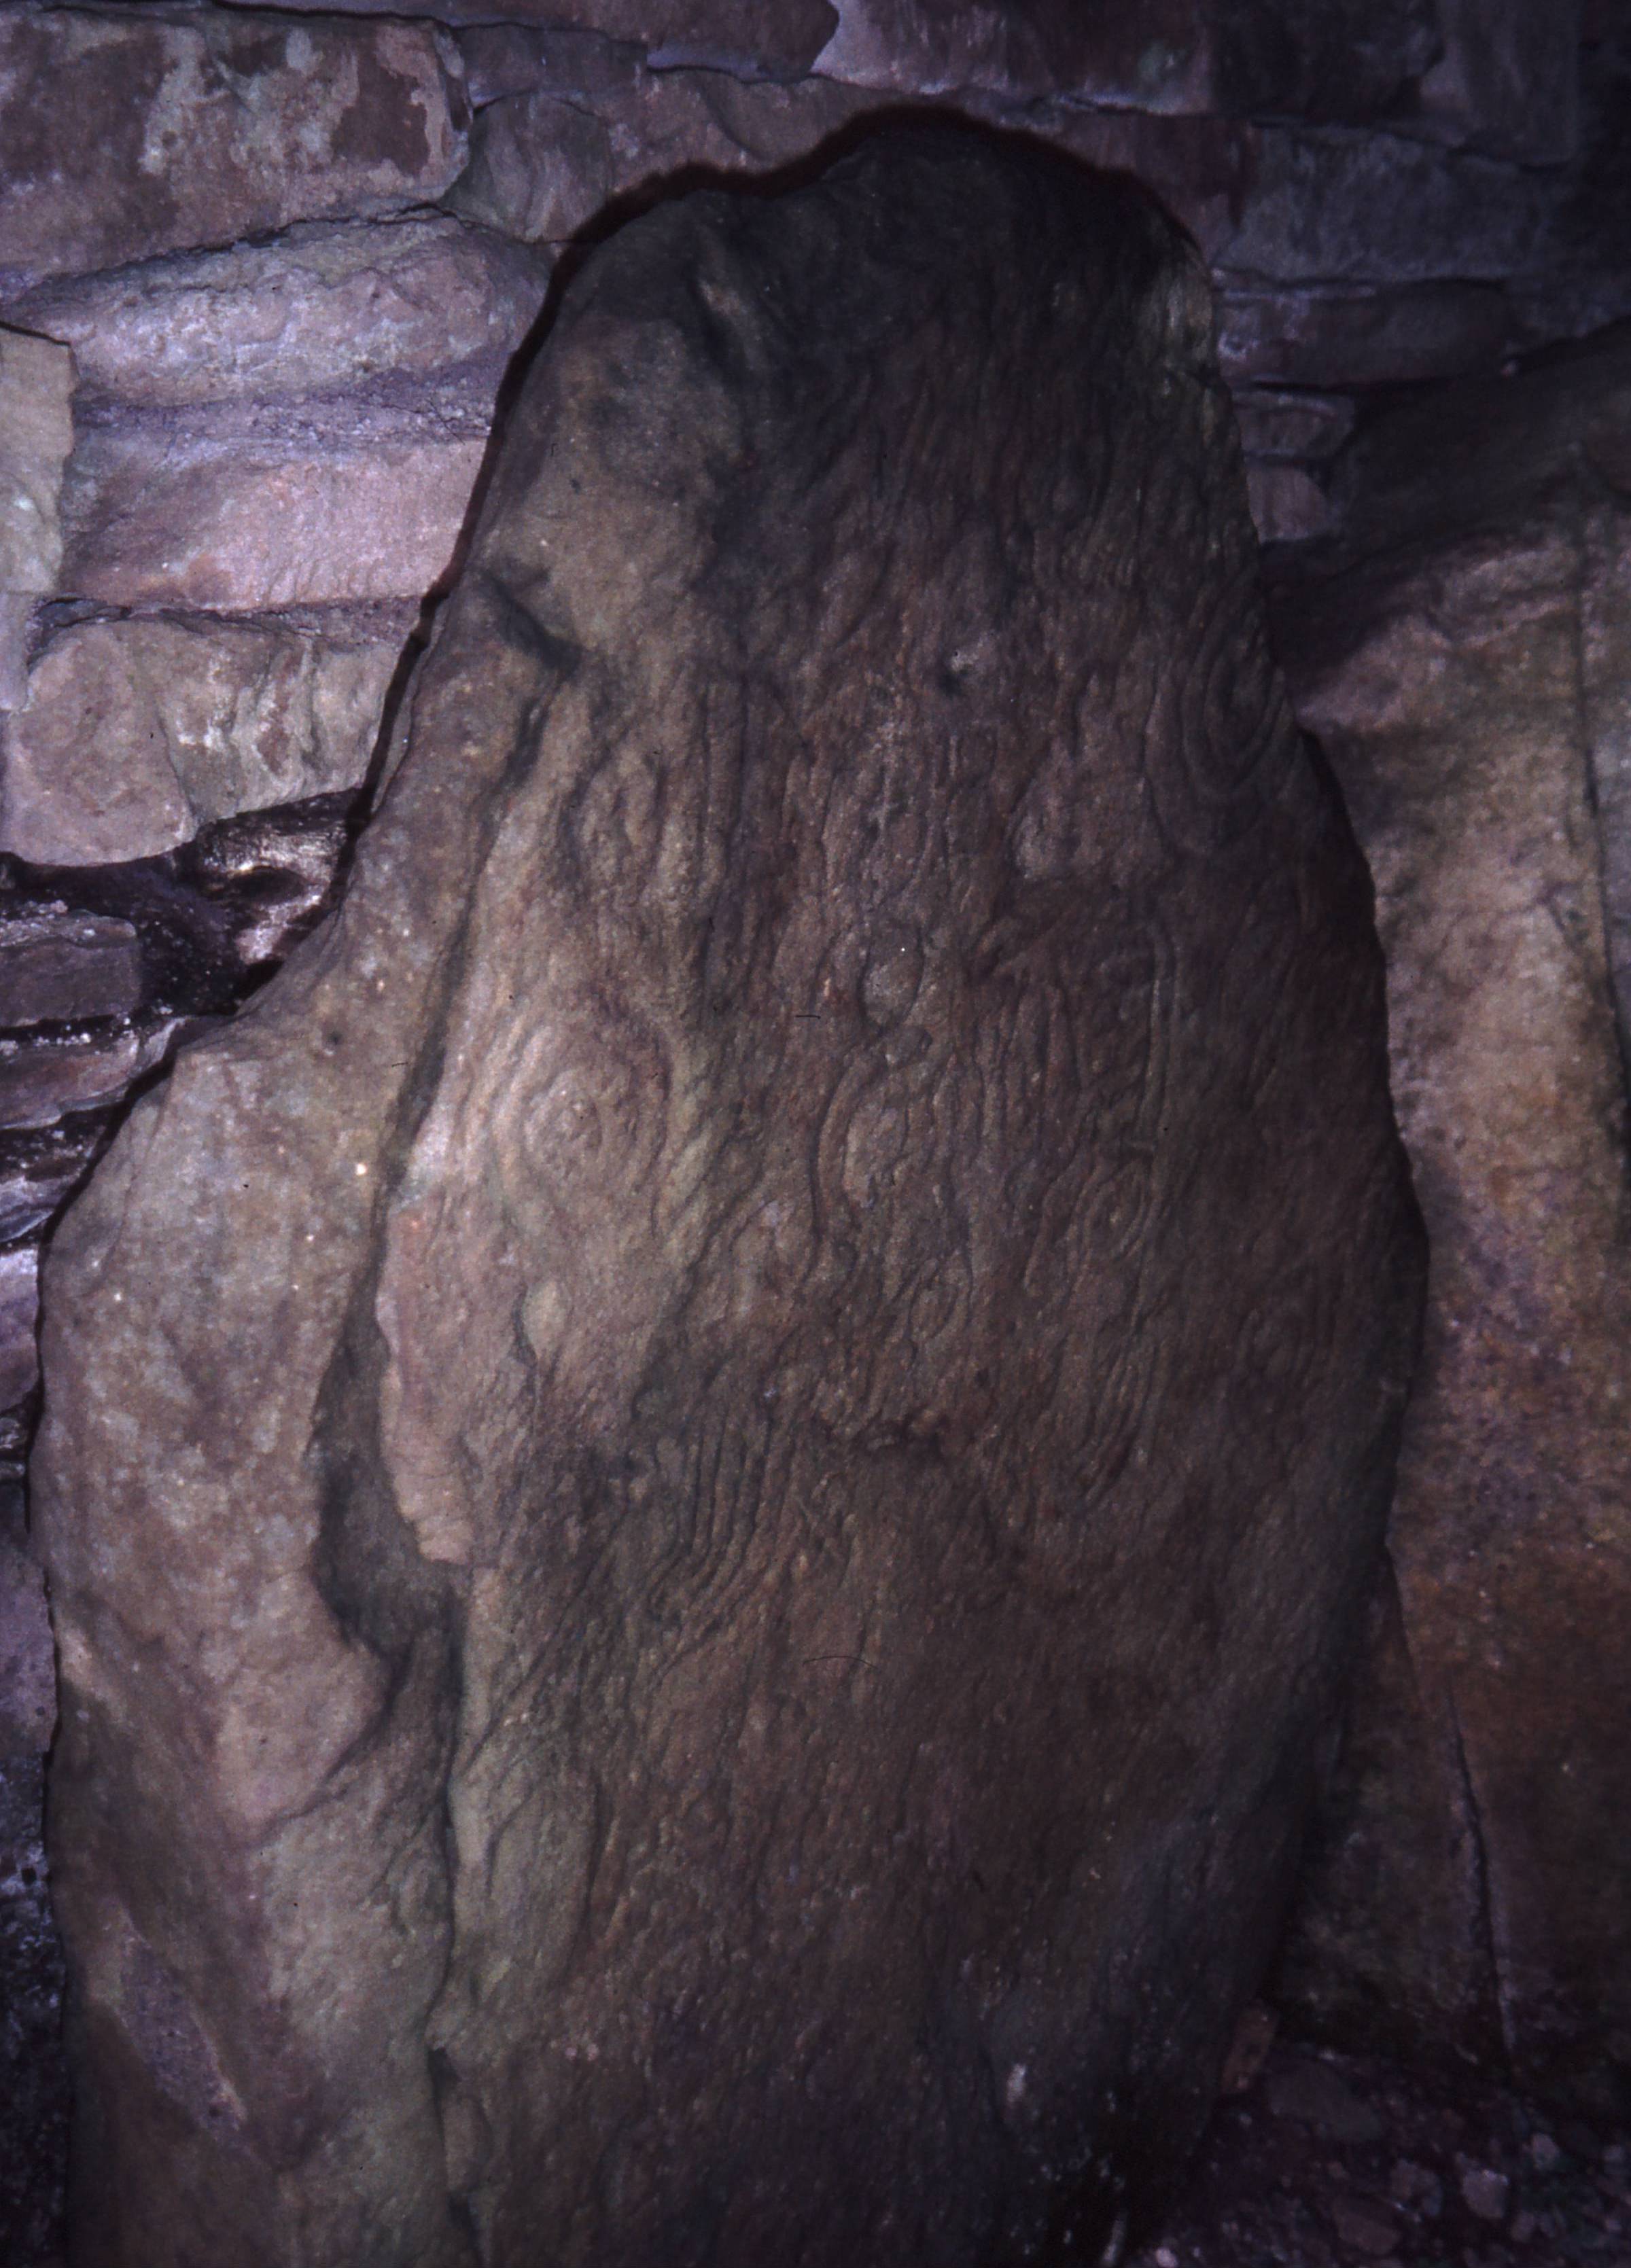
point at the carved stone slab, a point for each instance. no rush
(705, 1488)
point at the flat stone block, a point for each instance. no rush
(328, 306)
(1298, 425)
(1336, 205)
(129, 131)
(65, 969)
(1360, 338)
(542, 164)
(705, 1489)
(36, 434)
(1335, 59)
(1465, 659)
(240, 520)
(136, 734)
(42, 1080)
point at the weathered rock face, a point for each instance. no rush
(1243, 56)
(126, 132)
(36, 434)
(818, 1283)
(137, 732)
(324, 306)
(1467, 661)
(780, 38)
(295, 423)
(542, 164)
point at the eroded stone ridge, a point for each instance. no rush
(705, 1488)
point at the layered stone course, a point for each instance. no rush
(264, 274)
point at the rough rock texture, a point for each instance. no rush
(295, 423)
(1287, 502)
(36, 435)
(1509, 78)
(246, 512)
(19, 1304)
(1335, 205)
(542, 164)
(128, 131)
(1351, 60)
(1322, 337)
(40, 1085)
(137, 732)
(61, 968)
(1467, 661)
(732, 1669)
(355, 303)
(780, 38)
(580, 129)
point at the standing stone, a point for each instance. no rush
(705, 1488)
(1466, 661)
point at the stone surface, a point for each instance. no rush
(36, 435)
(1365, 2226)
(523, 59)
(27, 1661)
(38, 1171)
(1276, 57)
(1328, 61)
(1336, 205)
(137, 732)
(544, 165)
(294, 424)
(779, 38)
(330, 305)
(1364, 338)
(1287, 503)
(1301, 425)
(820, 1282)
(1310, 2092)
(61, 968)
(242, 510)
(1509, 78)
(1465, 660)
(1200, 168)
(44, 1081)
(19, 1310)
(582, 130)
(127, 131)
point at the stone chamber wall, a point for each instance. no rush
(263, 278)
